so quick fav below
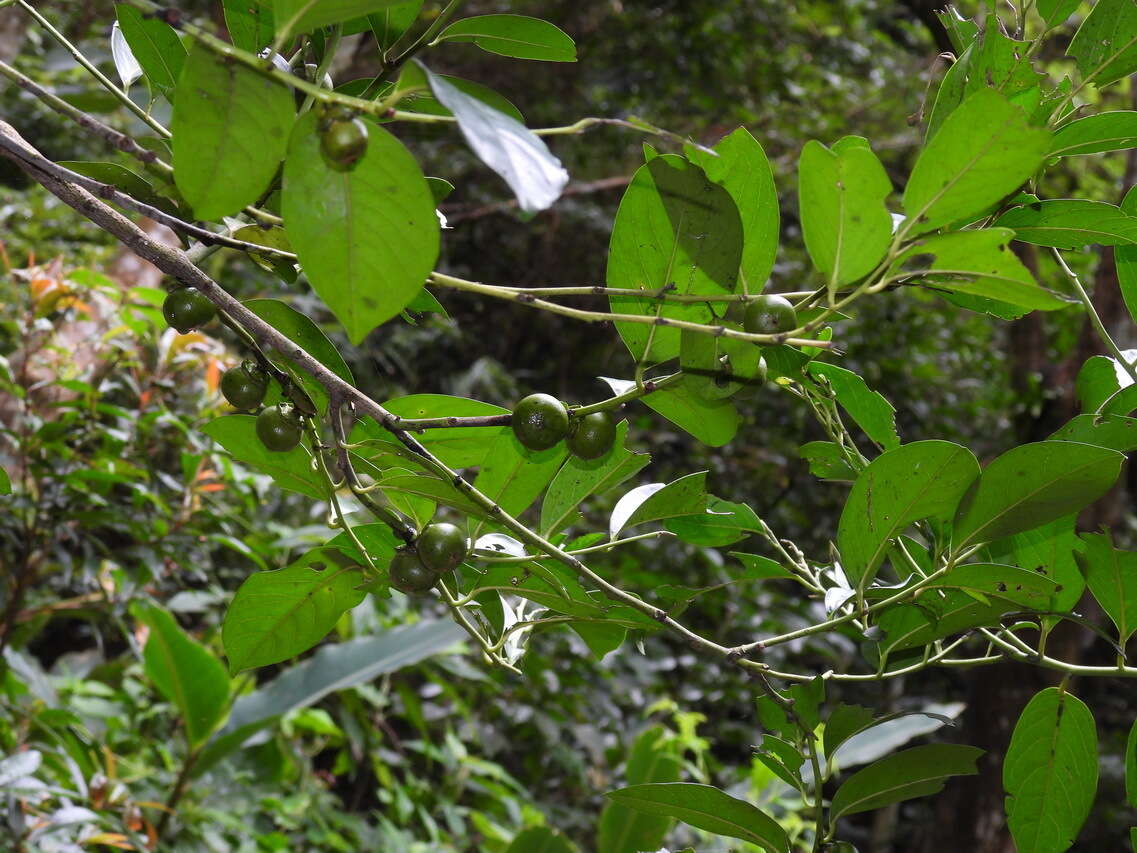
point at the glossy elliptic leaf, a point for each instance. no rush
(580, 478)
(1055, 12)
(1131, 766)
(871, 411)
(984, 151)
(338, 666)
(431, 488)
(707, 808)
(1110, 131)
(420, 99)
(1031, 485)
(1070, 223)
(905, 775)
(756, 567)
(518, 36)
(923, 479)
(685, 496)
(457, 447)
(715, 367)
(368, 237)
(250, 24)
(722, 523)
(969, 596)
(127, 180)
(1112, 578)
(230, 128)
(742, 169)
(978, 263)
(1105, 46)
(390, 24)
(290, 469)
(1113, 431)
(1050, 772)
(674, 229)
(185, 673)
(1096, 382)
(1125, 258)
(301, 16)
(652, 759)
(277, 615)
(155, 44)
(713, 422)
(505, 145)
(844, 221)
(827, 461)
(513, 477)
(1048, 551)
(540, 839)
(302, 331)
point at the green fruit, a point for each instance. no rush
(344, 143)
(335, 112)
(592, 436)
(409, 575)
(187, 308)
(244, 387)
(278, 430)
(540, 421)
(442, 547)
(768, 315)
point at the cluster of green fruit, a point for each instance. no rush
(343, 138)
(540, 421)
(439, 549)
(245, 386)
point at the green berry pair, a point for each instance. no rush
(439, 548)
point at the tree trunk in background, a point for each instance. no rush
(13, 25)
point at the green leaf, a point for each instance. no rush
(280, 614)
(844, 221)
(713, 422)
(367, 238)
(250, 24)
(540, 839)
(1125, 257)
(185, 673)
(904, 775)
(420, 99)
(1131, 766)
(230, 128)
(1055, 12)
(302, 16)
(579, 478)
(717, 367)
(652, 759)
(390, 24)
(742, 169)
(429, 487)
(1050, 772)
(827, 461)
(1048, 551)
(967, 597)
(1110, 131)
(872, 412)
(518, 36)
(457, 447)
(5, 483)
(707, 808)
(300, 329)
(290, 470)
(1096, 382)
(1070, 223)
(513, 477)
(656, 501)
(984, 151)
(1031, 485)
(1113, 431)
(1105, 46)
(155, 44)
(674, 228)
(923, 479)
(843, 723)
(504, 144)
(722, 523)
(338, 666)
(760, 568)
(979, 263)
(1112, 578)
(127, 180)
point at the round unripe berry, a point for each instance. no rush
(540, 421)
(187, 308)
(768, 315)
(592, 436)
(409, 575)
(333, 113)
(277, 429)
(244, 386)
(343, 143)
(442, 547)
